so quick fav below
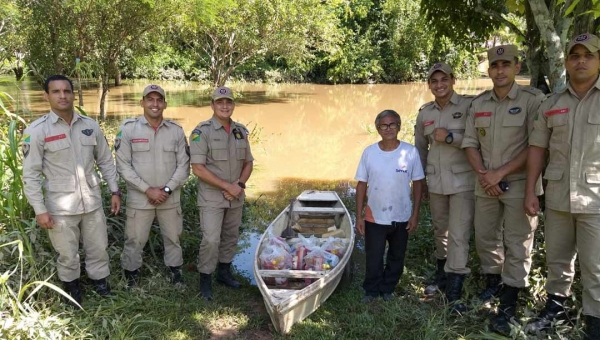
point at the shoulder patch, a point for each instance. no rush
(425, 105)
(195, 136)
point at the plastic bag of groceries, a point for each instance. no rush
(300, 249)
(273, 240)
(335, 245)
(275, 257)
(319, 260)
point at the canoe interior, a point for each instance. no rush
(318, 213)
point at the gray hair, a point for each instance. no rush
(386, 113)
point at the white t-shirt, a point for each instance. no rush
(388, 175)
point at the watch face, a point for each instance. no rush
(167, 190)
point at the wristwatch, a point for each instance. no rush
(242, 185)
(450, 138)
(167, 190)
(117, 193)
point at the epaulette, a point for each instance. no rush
(425, 105)
(172, 122)
(38, 121)
(530, 89)
(204, 123)
(486, 92)
(468, 96)
(129, 120)
(553, 97)
(85, 117)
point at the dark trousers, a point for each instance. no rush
(377, 279)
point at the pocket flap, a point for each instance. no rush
(58, 144)
(130, 212)
(60, 185)
(88, 140)
(458, 168)
(169, 147)
(553, 174)
(592, 178)
(430, 169)
(140, 146)
(428, 129)
(558, 120)
(594, 117)
(483, 121)
(514, 120)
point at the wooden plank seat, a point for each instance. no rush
(293, 274)
(319, 210)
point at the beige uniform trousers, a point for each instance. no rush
(498, 219)
(65, 236)
(452, 218)
(137, 231)
(567, 235)
(220, 229)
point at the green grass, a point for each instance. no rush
(31, 308)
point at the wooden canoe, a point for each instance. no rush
(314, 213)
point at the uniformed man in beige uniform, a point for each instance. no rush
(568, 126)
(222, 160)
(61, 150)
(152, 157)
(450, 180)
(496, 140)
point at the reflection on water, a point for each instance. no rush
(306, 131)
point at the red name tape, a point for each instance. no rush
(431, 122)
(57, 137)
(483, 114)
(139, 140)
(557, 112)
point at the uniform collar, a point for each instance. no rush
(143, 120)
(512, 94)
(54, 117)
(596, 85)
(217, 124)
(454, 99)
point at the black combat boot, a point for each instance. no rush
(507, 310)
(176, 277)
(102, 287)
(205, 286)
(454, 292)
(439, 282)
(492, 287)
(225, 277)
(554, 310)
(132, 277)
(592, 328)
(74, 290)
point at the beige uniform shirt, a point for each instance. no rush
(61, 158)
(570, 128)
(448, 171)
(500, 130)
(148, 158)
(223, 154)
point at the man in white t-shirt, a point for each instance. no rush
(384, 175)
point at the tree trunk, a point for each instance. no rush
(79, 91)
(554, 44)
(18, 70)
(104, 92)
(117, 77)
(535, 53)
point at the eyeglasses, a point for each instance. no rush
(386, 127)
